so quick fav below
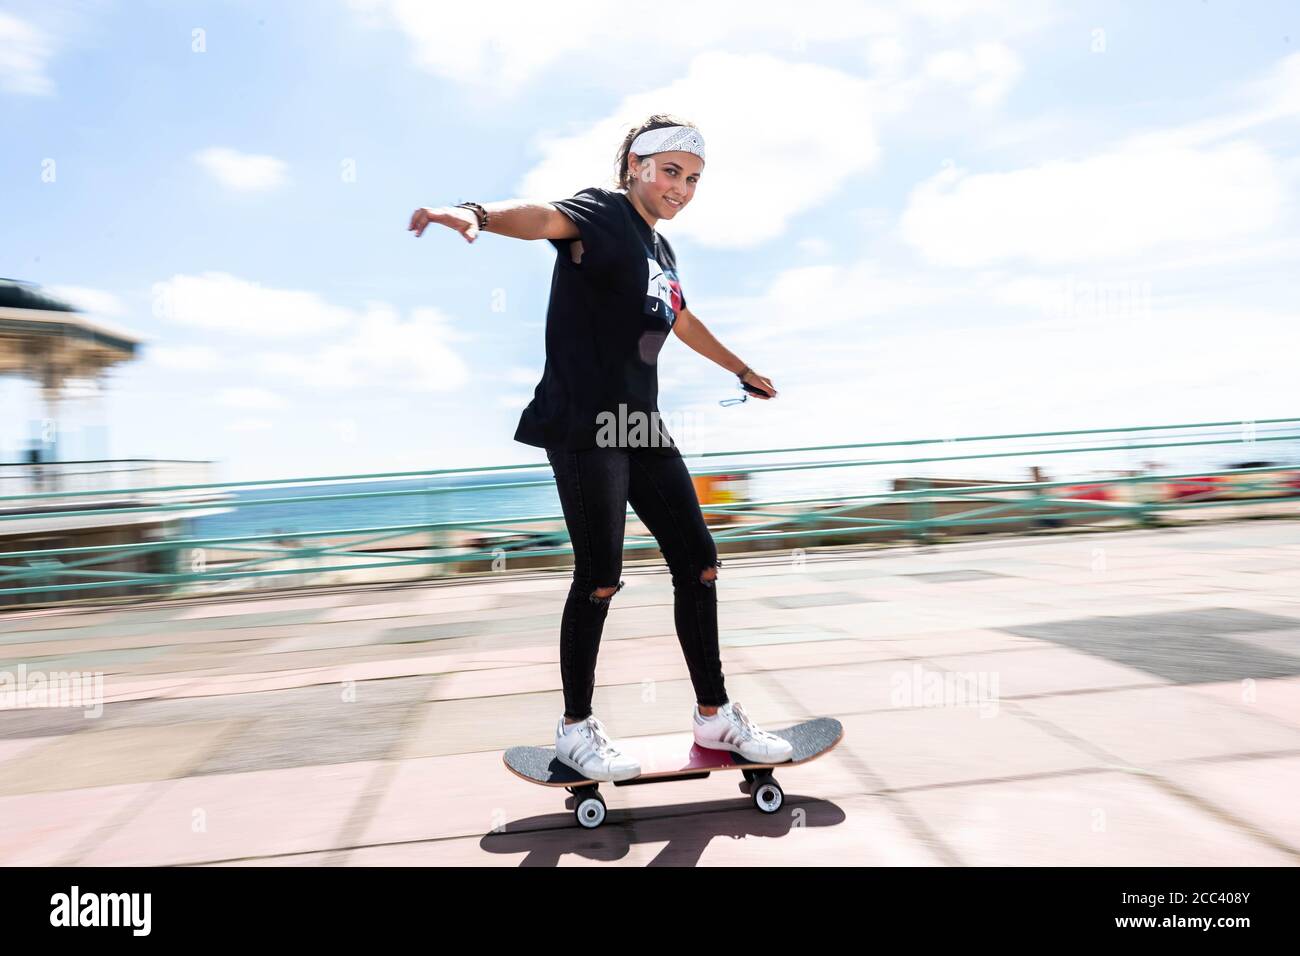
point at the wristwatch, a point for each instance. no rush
(478, 211)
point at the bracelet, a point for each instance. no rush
(741, 374)
(478, 211)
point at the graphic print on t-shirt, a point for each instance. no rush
(663, 292)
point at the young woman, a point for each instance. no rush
(615, 296)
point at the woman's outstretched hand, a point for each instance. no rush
(454, 217)
(760, 381)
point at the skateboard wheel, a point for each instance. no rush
(590, 811)
(768, 795)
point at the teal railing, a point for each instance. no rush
(869, 502)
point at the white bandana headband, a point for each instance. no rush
(668, 138)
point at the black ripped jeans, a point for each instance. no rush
(596, 486)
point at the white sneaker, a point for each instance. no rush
(731, 729)
(586, 748)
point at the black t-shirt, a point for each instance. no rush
(609, 315)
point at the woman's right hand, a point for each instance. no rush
(455, 217)
(761, 382)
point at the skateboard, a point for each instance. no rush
(675, 757)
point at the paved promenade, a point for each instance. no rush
(1123, 698)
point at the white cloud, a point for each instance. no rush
(24, 54)
(93, 301)
(1280, 89)
(185, 358)
(1273, 96)
(1116, 204)
(987, 71)
(1283, 252)
(250, 425)
(887, 56)
(376, 350)
(1007, 16)
(1158, 190)
(732, 96)
(380, 351)
(1009, 131)
(507, 43)
(815, 246)
(773, 170)
(906, 380)
(346, 429)
(523, 376)
(501, 44)
(225, 303)
(243, 172)
(829, 303)
(249, 397)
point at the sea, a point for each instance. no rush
(255, 510)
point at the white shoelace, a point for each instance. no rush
(602, 742)
(747, 727)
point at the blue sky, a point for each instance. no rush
(921, 219)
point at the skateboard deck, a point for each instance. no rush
(675, 757)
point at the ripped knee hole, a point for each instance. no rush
(597, 597)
